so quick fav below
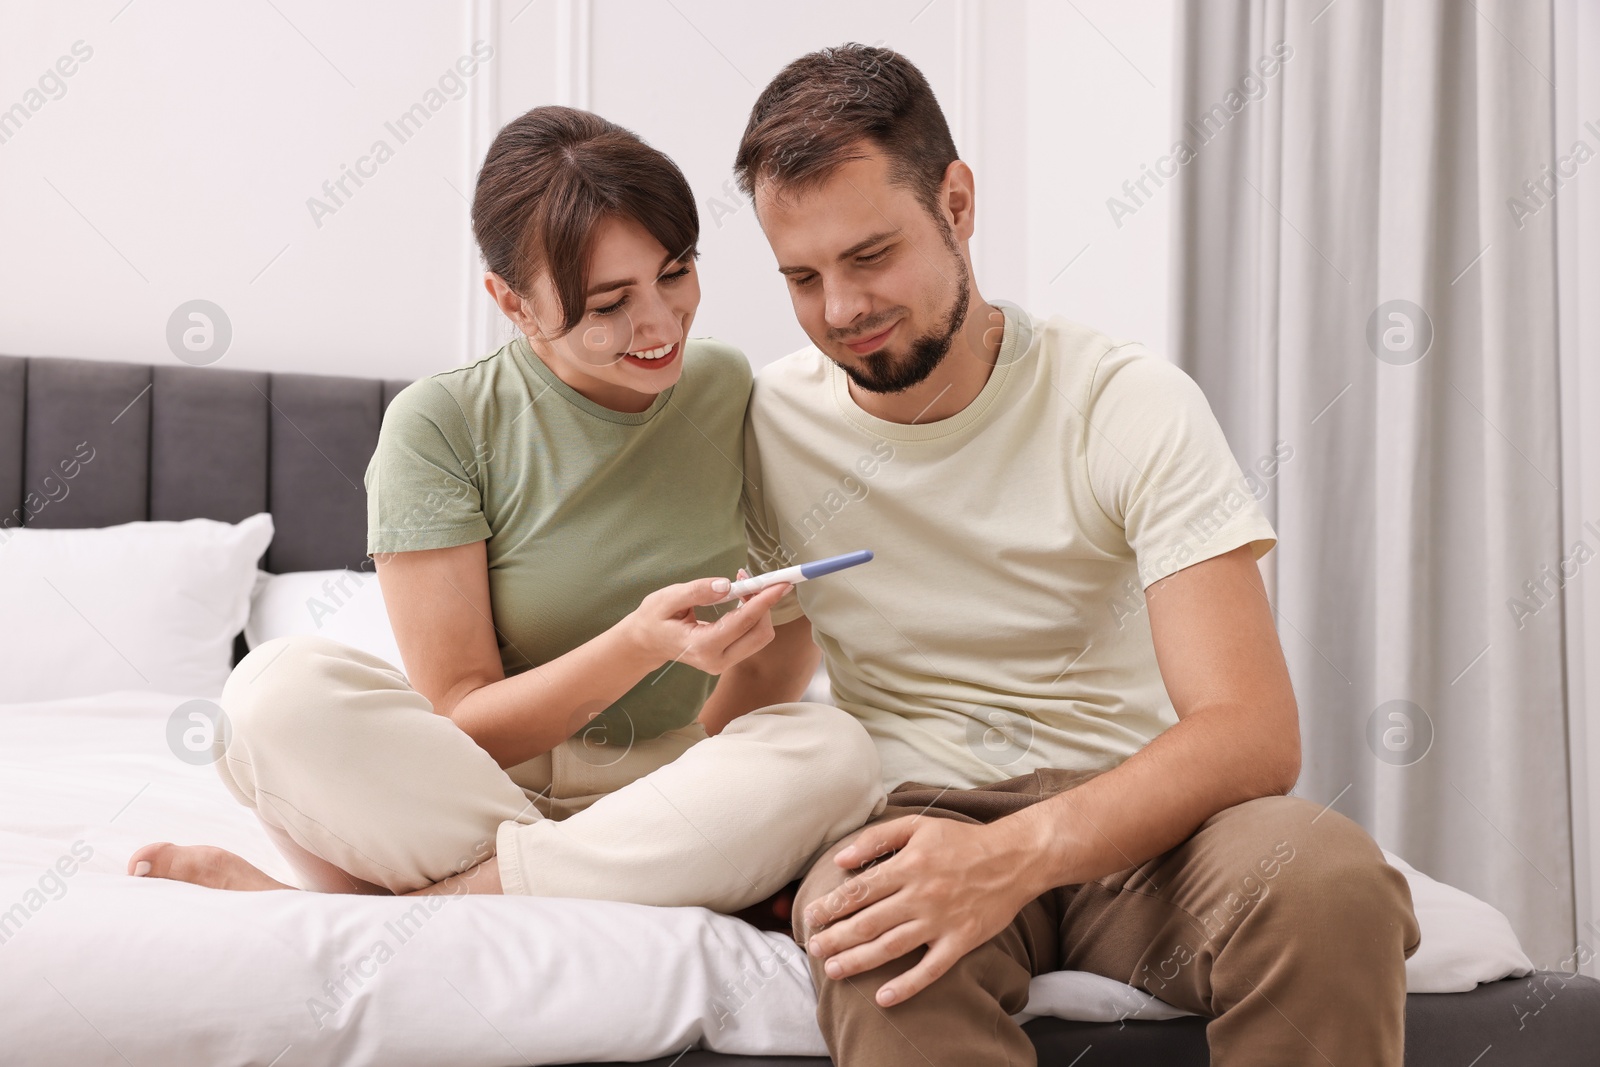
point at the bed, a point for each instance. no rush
(99, 968)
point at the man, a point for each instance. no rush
(1063, 651)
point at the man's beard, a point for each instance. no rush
(886, 373)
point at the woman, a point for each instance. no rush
(543, 523)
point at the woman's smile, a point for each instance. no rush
(654, 358)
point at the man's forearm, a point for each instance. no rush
(1209, 761)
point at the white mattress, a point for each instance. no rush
(100, 968)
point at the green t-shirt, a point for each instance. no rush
(586, 510)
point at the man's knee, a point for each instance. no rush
(826, 876)
(1307, 868)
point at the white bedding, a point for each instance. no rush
(99, 968)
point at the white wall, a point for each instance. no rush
(179, 160)
(1100, 86)
(178, 163)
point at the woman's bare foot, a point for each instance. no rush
(200, 865)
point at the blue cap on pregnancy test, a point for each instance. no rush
(835, 563)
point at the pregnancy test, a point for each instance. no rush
(803, 572)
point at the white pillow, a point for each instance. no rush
(1465, 940)
(146, 606)
(342, 604)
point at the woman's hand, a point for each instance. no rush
(665, 627)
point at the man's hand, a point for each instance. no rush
(951, 886)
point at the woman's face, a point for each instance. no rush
(628, 346)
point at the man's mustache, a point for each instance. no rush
(873, 326)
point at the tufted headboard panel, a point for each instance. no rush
(178, 442)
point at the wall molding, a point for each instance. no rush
(574, 34)
(479, 318)
(483, 328)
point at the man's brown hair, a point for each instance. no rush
(815, 114)
(549, 177)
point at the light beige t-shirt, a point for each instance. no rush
(1002, 626)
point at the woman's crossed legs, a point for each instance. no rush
(365, 789)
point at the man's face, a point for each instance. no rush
(877, 282)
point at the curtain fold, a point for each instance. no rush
(1577, 77)
(1355, 283)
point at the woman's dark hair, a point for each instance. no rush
(819, 109)
(549, 177)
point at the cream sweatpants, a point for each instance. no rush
(364, 788)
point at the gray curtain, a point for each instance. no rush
(1365, 289)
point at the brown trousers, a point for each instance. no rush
(1277, 919)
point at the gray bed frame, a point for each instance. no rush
(180, 442)
(186, 442)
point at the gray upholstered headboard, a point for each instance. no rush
(192, 442)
